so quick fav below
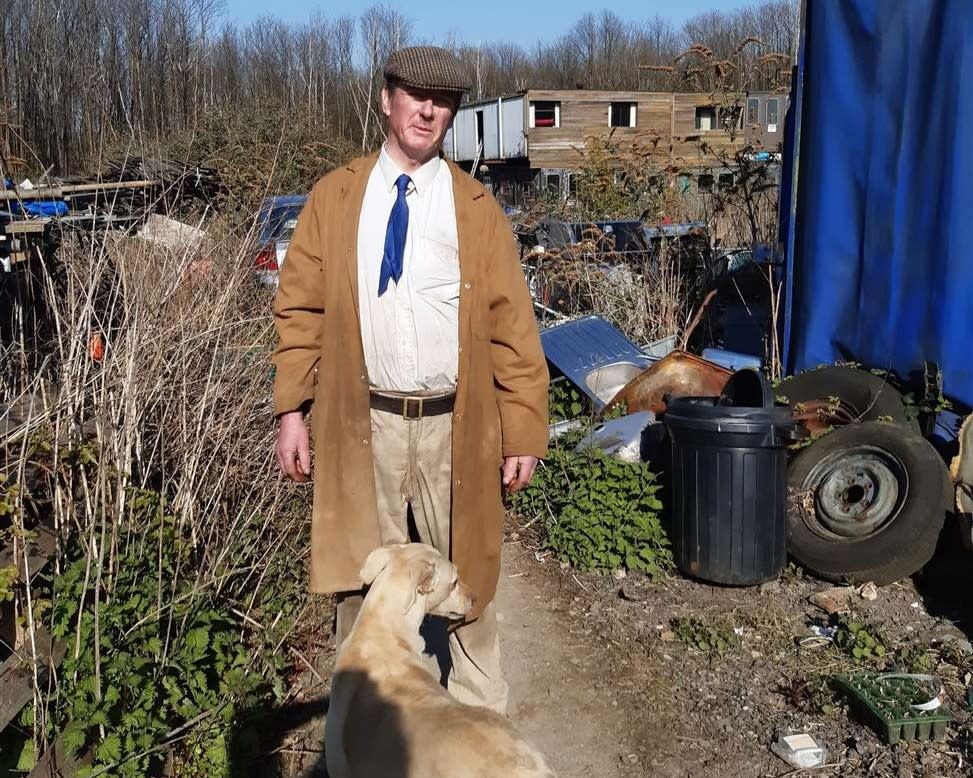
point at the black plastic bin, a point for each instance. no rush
(729, 488)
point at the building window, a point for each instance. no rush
(545, 113)
(772, 109)
(705, 117)
(730, 117)
(705, 182)
(621, 114)
(553, 183)
(572, 183)
(726, 180)
(753, 111)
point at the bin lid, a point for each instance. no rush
(747, 388)
(705, 413)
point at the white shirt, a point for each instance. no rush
(410, 334)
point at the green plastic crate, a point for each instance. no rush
(883, 703)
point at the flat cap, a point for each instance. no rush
(427, 67)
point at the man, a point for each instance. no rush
(406, 324)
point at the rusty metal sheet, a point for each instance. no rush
(679, 374)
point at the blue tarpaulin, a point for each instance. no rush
(880, 232)
(49, 208)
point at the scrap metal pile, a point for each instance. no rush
(868, 493)
(120, 196)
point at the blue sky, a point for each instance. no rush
(489, 20)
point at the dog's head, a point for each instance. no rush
(425, 573)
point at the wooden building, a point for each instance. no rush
(535, 138)
(763, 119)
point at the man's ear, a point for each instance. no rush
(426, 575)
(376, 562)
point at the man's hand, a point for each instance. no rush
(517, 472)
(294, 447)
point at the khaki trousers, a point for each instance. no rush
(413, 469)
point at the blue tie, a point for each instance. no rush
(395, 237)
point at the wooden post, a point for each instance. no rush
(672, 125)
(59, 192)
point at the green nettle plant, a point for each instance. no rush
(185, 669)
(708, 638)
(601, 513)
(564, 400)
(177, 585)
(859, 640)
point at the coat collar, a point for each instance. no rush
(463, 183)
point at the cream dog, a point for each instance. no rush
(388, 717)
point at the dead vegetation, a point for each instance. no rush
(142, 437)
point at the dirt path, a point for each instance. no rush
(600, 686)
(561, 694)
(565, 696)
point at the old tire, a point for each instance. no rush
(866, 396)
(866, 503)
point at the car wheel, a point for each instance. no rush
(867, 503)
(835, 396)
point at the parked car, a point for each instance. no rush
(276, 221)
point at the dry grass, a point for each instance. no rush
(152, 375)
(647, 295)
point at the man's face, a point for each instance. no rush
(418, 119)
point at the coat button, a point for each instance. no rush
(458, 417)
(467, 285)
(458, 483)
(364, 378)
(364, 442)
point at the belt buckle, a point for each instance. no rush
(410, 403)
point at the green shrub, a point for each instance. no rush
(601, 513)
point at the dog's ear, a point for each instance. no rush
(427, 577)
(376, 562)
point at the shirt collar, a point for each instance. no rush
(422, 178)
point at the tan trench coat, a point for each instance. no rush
(501, 403)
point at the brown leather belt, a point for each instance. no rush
(412, 407)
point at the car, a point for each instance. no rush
(276, 221)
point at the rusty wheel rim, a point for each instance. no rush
(857, 493)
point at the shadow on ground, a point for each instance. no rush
(376, 745)
(256, 742)
(946, 582)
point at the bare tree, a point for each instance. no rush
(83, 76)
